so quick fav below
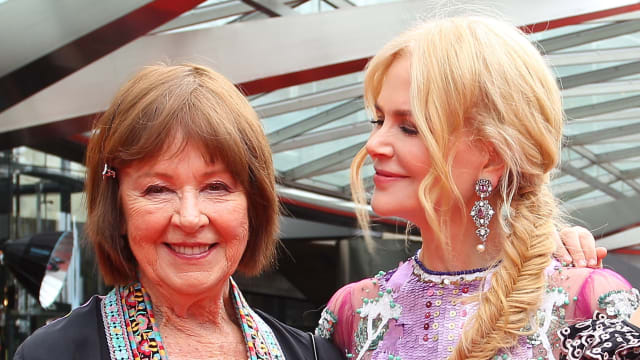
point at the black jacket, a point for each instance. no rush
(80, 335)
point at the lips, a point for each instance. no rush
(384, 178)
(385, 173)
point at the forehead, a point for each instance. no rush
(175, 152)
(395, 92)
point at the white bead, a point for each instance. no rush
(480, 248)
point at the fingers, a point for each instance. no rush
(580, 244)
(588, 244)
(571, 241)
(601, 253)
(561, 252)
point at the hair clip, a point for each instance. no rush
(108, 171)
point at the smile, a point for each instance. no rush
(194, 250)
(383, 178)
(388, 174)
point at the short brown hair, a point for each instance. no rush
(159, 103)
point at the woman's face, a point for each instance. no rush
(400, 157)
(186, 220)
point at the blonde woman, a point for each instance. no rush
(467, 129)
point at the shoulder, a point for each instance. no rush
(347, 299)
(354, 292)
(350, 297)
(297, 344)
(591, 290)
(79, 333)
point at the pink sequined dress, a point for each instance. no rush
(414, 313)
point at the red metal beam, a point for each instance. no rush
(578, 19)
(626, 251)
(81, 124)
(324, 72)
(301, 77)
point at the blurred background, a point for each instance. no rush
(300, 63)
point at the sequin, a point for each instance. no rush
(326, 324)
(417, 289)
(621, 303)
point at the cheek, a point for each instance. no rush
(231, 222)
(417, 159)
(144, 218)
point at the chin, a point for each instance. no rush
(399, 209)
(383, 208)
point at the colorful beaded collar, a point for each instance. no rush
(447, 278)
(131, 330)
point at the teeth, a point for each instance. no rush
(190, 250)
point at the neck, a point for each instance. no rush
(214, 308)
(457, 251)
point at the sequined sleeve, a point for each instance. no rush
(339, 321)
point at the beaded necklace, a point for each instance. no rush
(449, 277)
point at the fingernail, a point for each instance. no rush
(582, 263)
(568, 259)
(592, 262)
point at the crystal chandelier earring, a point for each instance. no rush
(482, 212)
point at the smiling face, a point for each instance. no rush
(401, 159)
(186, 219)
(399, 156)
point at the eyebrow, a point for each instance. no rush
(397, 113)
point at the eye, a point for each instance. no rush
(377, 122)
(409, 129)
(156, 189)
(216, 186)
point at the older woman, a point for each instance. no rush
(467, 128)
(180, 194)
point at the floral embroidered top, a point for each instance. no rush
(131, 330)
(412, 313)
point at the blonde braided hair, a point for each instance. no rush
(483, 74)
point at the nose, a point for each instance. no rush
(379, 145)
(189, 216)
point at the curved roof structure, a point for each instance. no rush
(301, 64)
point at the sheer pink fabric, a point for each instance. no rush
(572, 295)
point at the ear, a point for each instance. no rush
(493, 168)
